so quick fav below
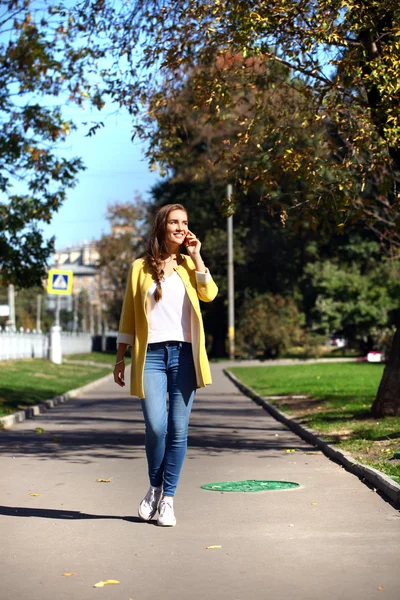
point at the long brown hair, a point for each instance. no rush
(157, 246)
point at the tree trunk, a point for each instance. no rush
(387, 401)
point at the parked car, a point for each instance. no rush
(337, 341)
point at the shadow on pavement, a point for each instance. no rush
(49, 513)
(87, 429)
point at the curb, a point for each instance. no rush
(379, 480)
(37, 409)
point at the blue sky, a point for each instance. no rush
(115, 170)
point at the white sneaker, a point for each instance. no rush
(166, 517)
(149, 504)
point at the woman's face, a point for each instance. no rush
(177, 227)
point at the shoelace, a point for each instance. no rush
(164, 509)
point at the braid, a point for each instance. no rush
(155, 265)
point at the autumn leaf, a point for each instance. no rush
(39, 430)
(104, 480)
(212, 547)
(107, 582)
(68, 574)
(35, 494)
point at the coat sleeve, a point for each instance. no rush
(206, 287)
(126, 330)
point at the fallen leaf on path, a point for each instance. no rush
(68, 574)
(289, 450)
(212, 547)
(104, 480)
(108, 582)
(380, 588)
(39, 430)
(35, 494)
(314, 503)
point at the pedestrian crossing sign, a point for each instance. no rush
(59, 282)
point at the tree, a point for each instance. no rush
(346, 55)
(117, 251)
(44, 64)
(353, 293)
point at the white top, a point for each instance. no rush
(169, 319)
(127, 338)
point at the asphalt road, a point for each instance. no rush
(333, 538)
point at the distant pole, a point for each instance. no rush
(231, 284)
(91, 318)
(84, 315)
(99, 319)
(75, 321)
(38, 312)
(11, 304)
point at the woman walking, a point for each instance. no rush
(162, 321)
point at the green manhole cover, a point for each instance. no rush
(249, 485)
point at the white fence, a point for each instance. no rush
(33, 344)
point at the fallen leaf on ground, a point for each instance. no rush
(104, 480)
(289, 450)
(35, 494)
(39, 430)
(380, 588)
(314, 503)
(108, 582)
(68, 574)
(212, 547)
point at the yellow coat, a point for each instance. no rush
(134, 326)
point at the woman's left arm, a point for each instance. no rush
(206, 286)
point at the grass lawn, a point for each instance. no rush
(98, 357)
(27, 382)
(337, 404)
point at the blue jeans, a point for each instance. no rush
(168, 368)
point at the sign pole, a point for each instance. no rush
(57, 311)
(231, 291)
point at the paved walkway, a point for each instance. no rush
(332, 539)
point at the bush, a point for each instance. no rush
(312, 345)
(268, 326)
